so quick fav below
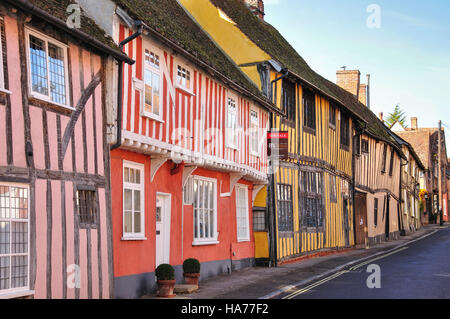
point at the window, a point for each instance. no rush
(309, 111)
(188, 192)
(259, 219)
(14, 238)
(375, 212)
(47, 67)
(285, 208)
(133, 201)
(288, 93)
(333, 190)
(242, 219)
(311, 197)
(345, 131)
(254, 134)
(357, 144)
(364, 146)
(205, 210)
(391, 165)
(383, 163)
(87, 207)
(183, 78)
(152, 81)
(232, 123)
(332, 118)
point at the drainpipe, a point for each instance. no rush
(273, 261)
(140, 26)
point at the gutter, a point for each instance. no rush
(31, 8)
(138, 24)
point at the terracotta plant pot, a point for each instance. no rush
(191, 279)
(165, 288)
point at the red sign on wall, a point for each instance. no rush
(278, 145)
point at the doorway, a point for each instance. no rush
(163, 221)
(361, 219)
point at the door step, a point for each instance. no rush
(185, 289)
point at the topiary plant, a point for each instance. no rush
(191, 266)
(165, 272)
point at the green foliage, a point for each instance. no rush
(397, 116)
(191, 266)
(165, 272)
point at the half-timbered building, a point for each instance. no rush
(188, 148)
(308, 205)
(55, 217)
(377, 171)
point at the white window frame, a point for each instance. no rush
(64, 48)
(153, 70)
(140, 187)
(254, 126)
(187, 89)
(247, 213)
(232, 143)
(20, 291)
(210, 240)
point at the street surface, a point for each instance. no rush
(421, 269)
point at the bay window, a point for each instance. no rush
(205, 210)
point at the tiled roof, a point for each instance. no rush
(273, 43)
(169, 19)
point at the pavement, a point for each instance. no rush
(267, 283)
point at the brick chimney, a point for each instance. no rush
(349, 80)
(363, 94)
(257, 7)
(414, 125)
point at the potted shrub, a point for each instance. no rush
(191, 271)
(165, 275)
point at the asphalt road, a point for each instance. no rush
(420, 270)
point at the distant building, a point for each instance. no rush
(425, 143)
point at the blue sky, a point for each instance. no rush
(408, 56)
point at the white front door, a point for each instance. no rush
(163, 203)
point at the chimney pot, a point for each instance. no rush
(381, 117)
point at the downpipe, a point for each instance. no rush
(118, 143)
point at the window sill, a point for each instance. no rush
(17, 294)
(332, 126)
(233, 147)
(152, 116)
(48, 101)
(205, 243)
(5, 91)
(345, 148)
(185, 90)
(309, 130)
(255, 154)
(246, 240)
(39, 102)
(134, 238)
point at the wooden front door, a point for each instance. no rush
(361, 219)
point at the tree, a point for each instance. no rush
(397, 116)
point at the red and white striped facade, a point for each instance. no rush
(192, 127)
